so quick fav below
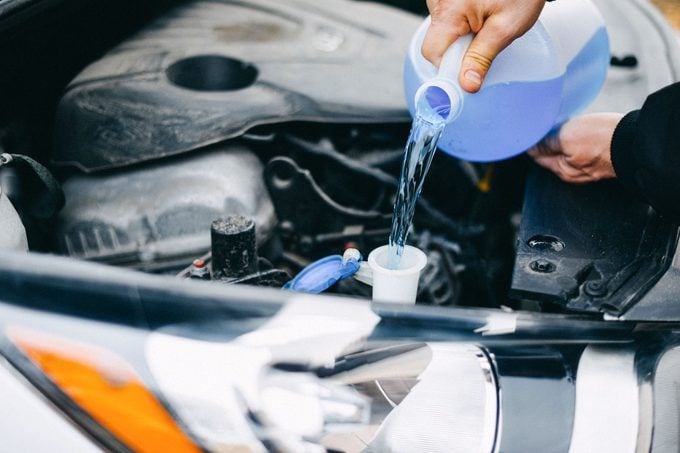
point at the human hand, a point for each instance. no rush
(581, 151)
(496, 22)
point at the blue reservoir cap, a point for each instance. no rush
(322, 274)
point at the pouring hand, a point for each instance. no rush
(496, 22)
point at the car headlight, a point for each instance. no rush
(195, 388)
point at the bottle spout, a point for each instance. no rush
(439, 100)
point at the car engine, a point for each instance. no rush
(241, 142)
(168, 168)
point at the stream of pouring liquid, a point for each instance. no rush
(420, 148)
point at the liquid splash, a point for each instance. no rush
(420, 148)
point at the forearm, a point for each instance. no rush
(645, 151)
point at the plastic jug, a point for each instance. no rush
(550, 73)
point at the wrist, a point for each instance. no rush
(622, 147)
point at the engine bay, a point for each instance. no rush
(290, 119)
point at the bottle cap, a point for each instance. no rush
(322, 274)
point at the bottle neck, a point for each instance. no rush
(439, 100)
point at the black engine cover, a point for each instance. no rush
(210, 70)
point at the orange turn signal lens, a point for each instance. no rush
(108, 388)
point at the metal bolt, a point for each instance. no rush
(543, 266)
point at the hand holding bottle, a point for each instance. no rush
(496, 22)
(581, 151)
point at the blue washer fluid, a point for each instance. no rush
(542, 79)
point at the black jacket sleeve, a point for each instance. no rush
(645, 151)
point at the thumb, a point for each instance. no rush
(486, 45)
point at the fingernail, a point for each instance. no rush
(473, 76)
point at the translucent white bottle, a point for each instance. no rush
(540, 80)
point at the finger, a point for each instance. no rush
(569, 173)
(548, 162)
(550, 145)
(440, 35)
(489, 42)
(437, 40)
(576, 179)
(560, 167)
(542, 149)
